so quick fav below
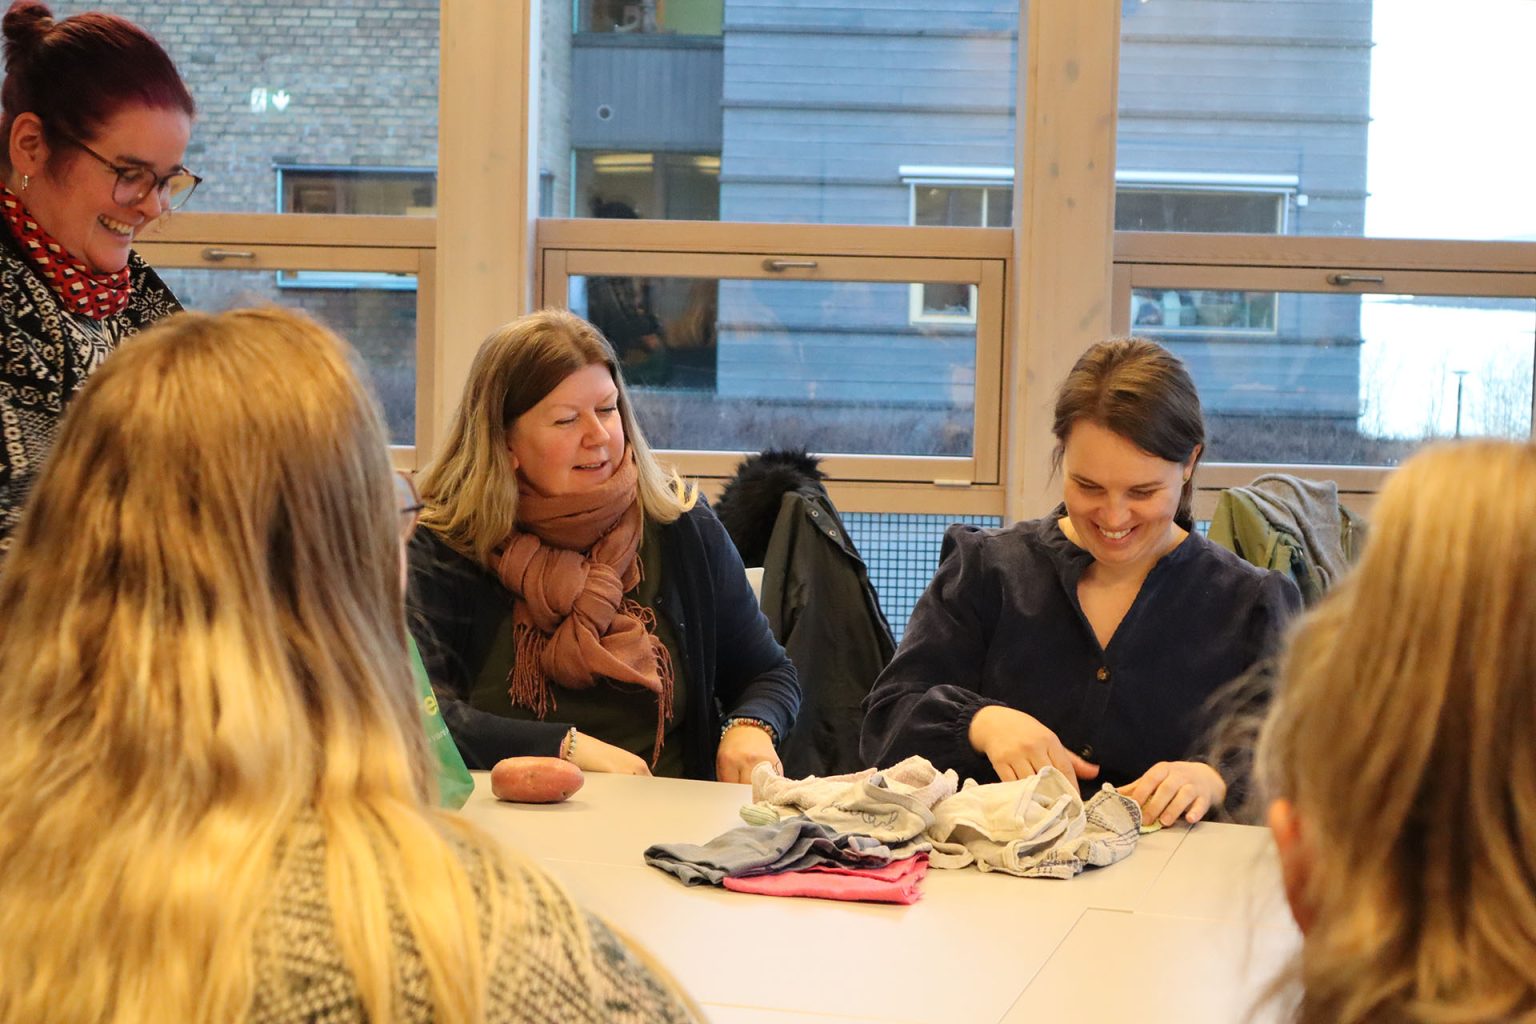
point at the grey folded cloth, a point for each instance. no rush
(792, 844)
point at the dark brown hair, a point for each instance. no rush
(77, 73)
(1141, 391)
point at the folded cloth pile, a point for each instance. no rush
(897, 882)
(871, 835)
(793, 844)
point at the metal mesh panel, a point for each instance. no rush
(902, 552)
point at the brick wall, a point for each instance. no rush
(360, 77)
(360, 81)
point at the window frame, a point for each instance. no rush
(567, 248)
(1303, 263)
(363, 245)
(981, 178)
(344, 279)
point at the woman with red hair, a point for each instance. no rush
(95, 123)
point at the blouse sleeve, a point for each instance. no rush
(1278, 603)
(925, 699)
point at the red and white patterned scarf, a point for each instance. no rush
(82, 291)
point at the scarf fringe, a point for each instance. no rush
(526, 684)
(664, 674)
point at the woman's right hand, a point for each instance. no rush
(1019, 745)
(591, 754)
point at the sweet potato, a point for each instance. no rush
(534, 780)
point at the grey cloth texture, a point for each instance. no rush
(792, 844)
(1311, 509)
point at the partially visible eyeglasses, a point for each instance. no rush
(134, 181)
(409, 502)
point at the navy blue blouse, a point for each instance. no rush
(1001, 624)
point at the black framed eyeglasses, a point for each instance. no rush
(134, 181)
(409, 502)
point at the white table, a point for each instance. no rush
(1188, 929)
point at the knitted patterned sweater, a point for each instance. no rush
(46, 354)
(534, 976)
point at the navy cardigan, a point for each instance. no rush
(1001, 624)
(456, 608)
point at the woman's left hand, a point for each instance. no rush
(741, 748)
(1174, 788)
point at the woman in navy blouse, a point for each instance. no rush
(1090, 639)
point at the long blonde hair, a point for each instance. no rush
(470, 488)
(1405, 736)
(202, 641)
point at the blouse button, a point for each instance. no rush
(1102, 674)
(1087, 751)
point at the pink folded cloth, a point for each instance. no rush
(900, 881)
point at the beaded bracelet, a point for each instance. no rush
(568, 748)
(731, 723)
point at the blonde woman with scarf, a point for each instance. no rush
(569, 596)
(216, 800)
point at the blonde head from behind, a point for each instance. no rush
(470, 488)
(1402, 751)
(202, 640)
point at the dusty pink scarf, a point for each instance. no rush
(570, 561)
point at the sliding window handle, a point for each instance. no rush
(1345, 280)
(781, 265)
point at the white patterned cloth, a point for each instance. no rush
(895, 805)
(1037, 827)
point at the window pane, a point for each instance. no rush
(381, 324)
(683, 17)
(741, 365)
(1191, 210)
(1160, 310)
(810, 109)
(999, 207)
(377, 191)
(947, 300)
(1386, 119)
(345, 83)
(662, 186)
(1360, 379)
(948, 207)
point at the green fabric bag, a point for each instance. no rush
(454, 783)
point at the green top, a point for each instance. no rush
(623, 714)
